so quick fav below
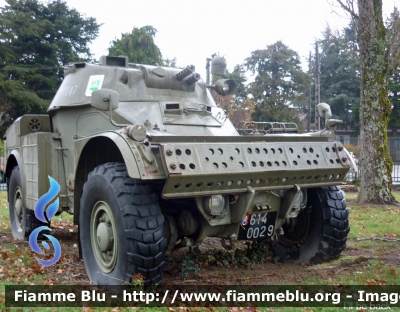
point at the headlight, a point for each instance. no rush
(215, 205)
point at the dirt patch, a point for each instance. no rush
(353, 259)
(71, 270)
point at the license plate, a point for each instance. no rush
(257, 226)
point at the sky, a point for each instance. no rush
(192, 30)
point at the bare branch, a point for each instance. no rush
(352, 6)
(349, 10)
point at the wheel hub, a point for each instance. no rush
(103, 236)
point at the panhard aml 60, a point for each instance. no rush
(147, 163)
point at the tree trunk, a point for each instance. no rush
(376, 163)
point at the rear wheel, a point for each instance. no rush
(319, 233)
(23, 220)
(121, 228)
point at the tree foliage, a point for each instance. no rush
(379, 52)
(280, 85)
(340, 75)
(170, 62)
(139, 46)
(237, 111)
(36, 41)
(239, 76)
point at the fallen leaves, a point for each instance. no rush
(37, 268)
(20, 266)
(64, 224)
(392, 235)
(244, 309)
(393, 271)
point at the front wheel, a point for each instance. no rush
(319, 233)
(121, 228)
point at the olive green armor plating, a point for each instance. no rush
(176, 169)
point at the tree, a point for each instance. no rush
(280, 85)
(236, 111)
(340, 75)
(36, 41)
(170, 62)
(138, 45)
(379, 51)
(239, 76)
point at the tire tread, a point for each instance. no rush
(336, 231)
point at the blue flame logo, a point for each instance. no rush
(50, 213)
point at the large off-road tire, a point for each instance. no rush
(320, 230)
(22, 220)
(121, 228)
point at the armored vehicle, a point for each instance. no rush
(147, 162)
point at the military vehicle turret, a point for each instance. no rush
(147, 162)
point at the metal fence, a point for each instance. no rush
(394, 150)
(3, 184)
